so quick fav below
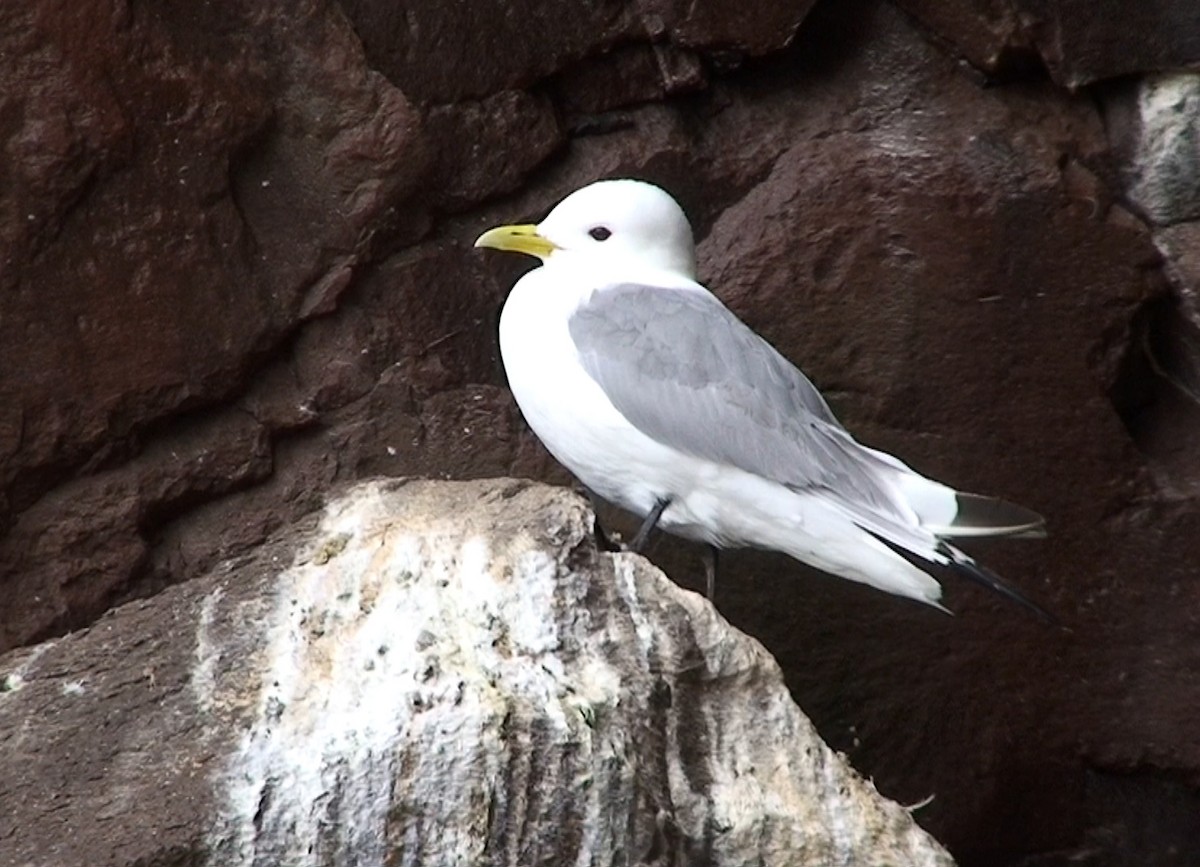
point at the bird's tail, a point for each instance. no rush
(947, 513)
(944, 513)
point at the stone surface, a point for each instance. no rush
(437, 52)
(433, 673)
(235, 271)
(164, 227)
(1154, 125)
(1083, 42)
(1079, 42)
(989, 34)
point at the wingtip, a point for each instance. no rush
(978, 515)
(1029, 533)
(969, 569)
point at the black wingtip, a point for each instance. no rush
(969, 569)
(990, 516)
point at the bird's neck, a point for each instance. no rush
(601, 270)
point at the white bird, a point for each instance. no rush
(660, 400)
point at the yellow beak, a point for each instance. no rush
(517, 239)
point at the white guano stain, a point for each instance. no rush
(326, 713)
(377, 643)
(1166, 165)
(208, 654)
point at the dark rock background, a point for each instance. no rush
(235, 269)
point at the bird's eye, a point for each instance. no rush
(600, 233)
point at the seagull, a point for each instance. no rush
(659, 399)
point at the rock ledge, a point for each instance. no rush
(431, 673)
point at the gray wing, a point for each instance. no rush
(683, 369)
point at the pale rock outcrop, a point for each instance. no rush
(433, 673)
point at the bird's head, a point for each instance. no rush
(609, 221)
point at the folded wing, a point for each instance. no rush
(683, 369)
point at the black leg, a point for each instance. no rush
(649, 524)
(711, 553)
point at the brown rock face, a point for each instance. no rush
(235, 270)
(1079, 42)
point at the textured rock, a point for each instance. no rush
(1083, 41)
(1154, 124)
(989, 34)
(171, 222)
(437, 52)
(1079, 42)
(434, 673)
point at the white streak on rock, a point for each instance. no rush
(208, 653)
(436, 689)
(1165, 174)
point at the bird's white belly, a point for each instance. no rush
(579, 425)
(570, 413)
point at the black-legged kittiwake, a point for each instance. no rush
(660, 400)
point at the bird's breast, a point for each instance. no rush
(564, 406)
